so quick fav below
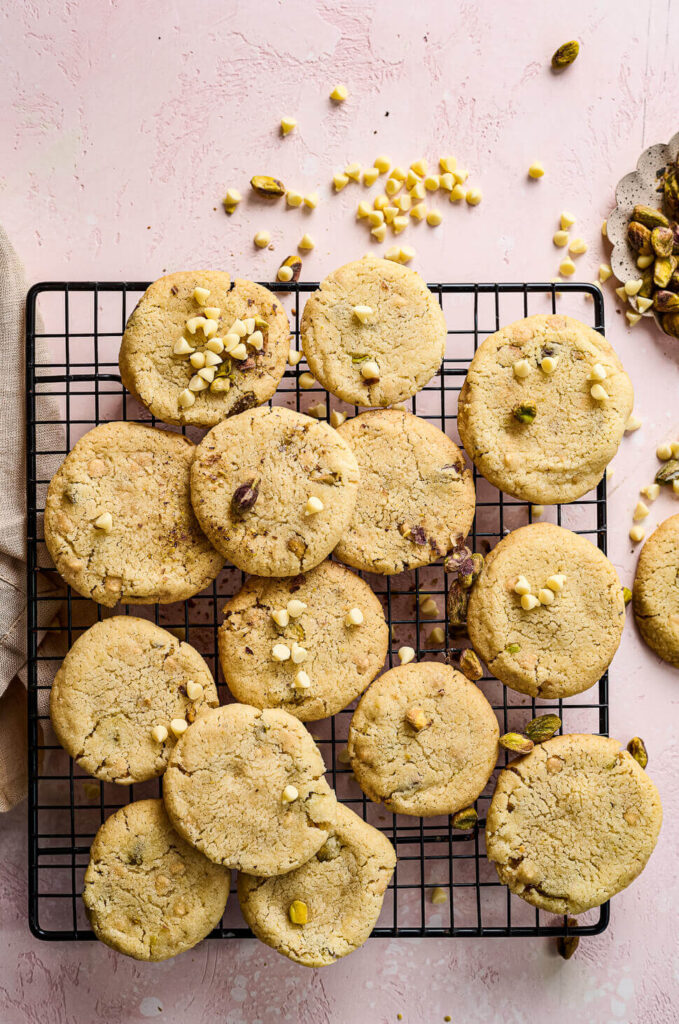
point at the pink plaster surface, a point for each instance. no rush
(122, 124)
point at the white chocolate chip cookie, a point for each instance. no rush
(656, 591)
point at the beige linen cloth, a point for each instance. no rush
(13, 728)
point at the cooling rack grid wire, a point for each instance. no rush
(79, 351)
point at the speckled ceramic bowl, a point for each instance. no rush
(639, 187)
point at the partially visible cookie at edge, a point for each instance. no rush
(373, 311)
(123, 680)
(656, 591)
(328, 907)
(274, 490)
(238, 330)
(416, 498)
(148, 893)
(119, 524)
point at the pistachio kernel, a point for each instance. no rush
(417, 718)
(637, 749)
(668, 473)
(516, 742)
(626, 595)
(265, 185)
(565, 54)
(470, 666)
(244, 497)
(525, 412)
(513, 648)
(543, 728)
(298, 912)
(465, 819)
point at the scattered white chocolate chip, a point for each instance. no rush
(287, 125)
(664, 451)
(456, 194)
(392, 186)
(560, 238)
(473, 196)
(448, 163)
(578, 246)
(293, 198)
(431, 182)
(280, 652)
(598, 393)
(284, 274)
(311, 200)
(318, 411)
(186, 399)
(296, 608)
(643, 304)
(637, 533)
(159, 733)
(399, 224)
(434, 218)
(460, 174)
(675, 449)
(339, 93)
(376, 217)
(419, 211)
(406, 254)
(439, 895)
(215, 345)
(381, 201)
(556, 582)
(281, 617)
(354, 617)
(633, 423)
(549, 364)
(337, 418)
(178, 726)
(529, 601)
(298, 654)
(294, 356)
(370, 176)
(428, 607)
(536, 170)
(194, 691)
(353, 171)
(643, 262)
(210, 327)
(197, 360)
(437, 635)
(545, 595)
(379, 233)
(609, 472)
(104, 522)
(339, 180)
(403, 203)
(302, 680)
(447, 181)
(370, 370)
(621, 293)
(418, 191)
(567, 267)
(313, 506)
(230, 342)
(363, 209)
(521, 368)
(290, 794)
(406, 655)
(537, 511)
(307, 381)
(641, 510)
(522, 586)
(182, 348)
(262, 239)
(399, 173)
(604, 272)
(632, 318)
(232, 199)
(363, 313)
(650, 491)
(382, 163)
(632, 287)
(567, 220)
(306, 243)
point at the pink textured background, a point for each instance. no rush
(122, 123)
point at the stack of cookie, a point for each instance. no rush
(139, 515)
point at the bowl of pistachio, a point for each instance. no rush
(644, 232)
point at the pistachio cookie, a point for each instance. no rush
(416, 497)
(656, 591)
(148, 893)
(122, 694)
(572, 823)
(543, 408)
(309, 644)
(247, 788)
(118, 519)
(199, 347)
(274, 490)
(547, 613)
(373, 333)
(328, 907)
(423, 739)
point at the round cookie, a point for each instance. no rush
(563, 452)
(151, 549)
(251, 482)
(342, 888)
(122, 678)
(572, 823)
(339, 659)
(423, 739)
(157, 375)
(148, 893)
(656, 591)
(226, 790)
(416, 497)
(405, 332)
(552, 650)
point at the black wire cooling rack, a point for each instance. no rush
(73, 360)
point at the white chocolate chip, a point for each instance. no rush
(215, 345)
(641, 510)
(280, 652)
(194, 691)
(232, 199)
(632, 287)
(560, 238)
(249, 324)
(197, 360)
(201, 295)
(439, 895)
(294, 356)
(290, 794)
(604, 272)
(448, 163)
(363, 209)
(419, 211)
(447, 181)
(281, 617)
(186, 399)
(437, 635)
(528, 602)
(643, 262)
(197, 383)
(521, 368)
(650, 491)
(633, 423)
(431, 182)
(207, 373)
(598, 372)
(339, 181)
(621, 293)
(363, 313)
(399, 224)
(434, 218)
(339, 93)
(104, 522)
(370, 370)
(311, 200)
(604, 228)
(211, 359)
(178, 726)
(637, 533)
(159, 733)
(293, 198)
(284, 274)
(406, 254)
(296, 608)
(210, 327)
(473, 196)
(302, 680)
(549, 364)
(643, 304)
(567, 267)
(406, 655)
(298, 654)
(664, 452)
(337, 418)
(262, 239)
(632, 318)
(545, 595)
(238, 327)
(354, 617)
(287, 125)
(383, 163)
(230, 342)
(389, 212)
(392, 186)
(456, 194)
(370, 176)
(239, 352)
(578, 246)
(212, 312)
(307, 381)
(522, 586)
(675, 486)
(353, 170)
(182, 348)
(536, 170)
(313, 506)
(376, 217)
(598, 393)
(567, 220)
(556, 582)
(379, 233)
(256, 340)
(537, 511)
(194, 322)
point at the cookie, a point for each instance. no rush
(542, 436)
(403, 332)
(335, 898)
(416, 496)
(274, 490)
(120, 680)
(118, 519)
(247, 788)
(559, 647)
(156, 366)
(329, 660)
(656, 591)
(572, 823)
(148, 893)
(423, 740)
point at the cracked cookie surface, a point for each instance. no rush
(441, 765)
(340, 660)
(282, 458)
(156, 376)
(154, 550)
(148, 893)
(572, 823)
(224, 785)
(405, 334)
(416, 496)
(563, 647)
(656, 591)
(121, 678)
(563, 453)
(342, 886)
